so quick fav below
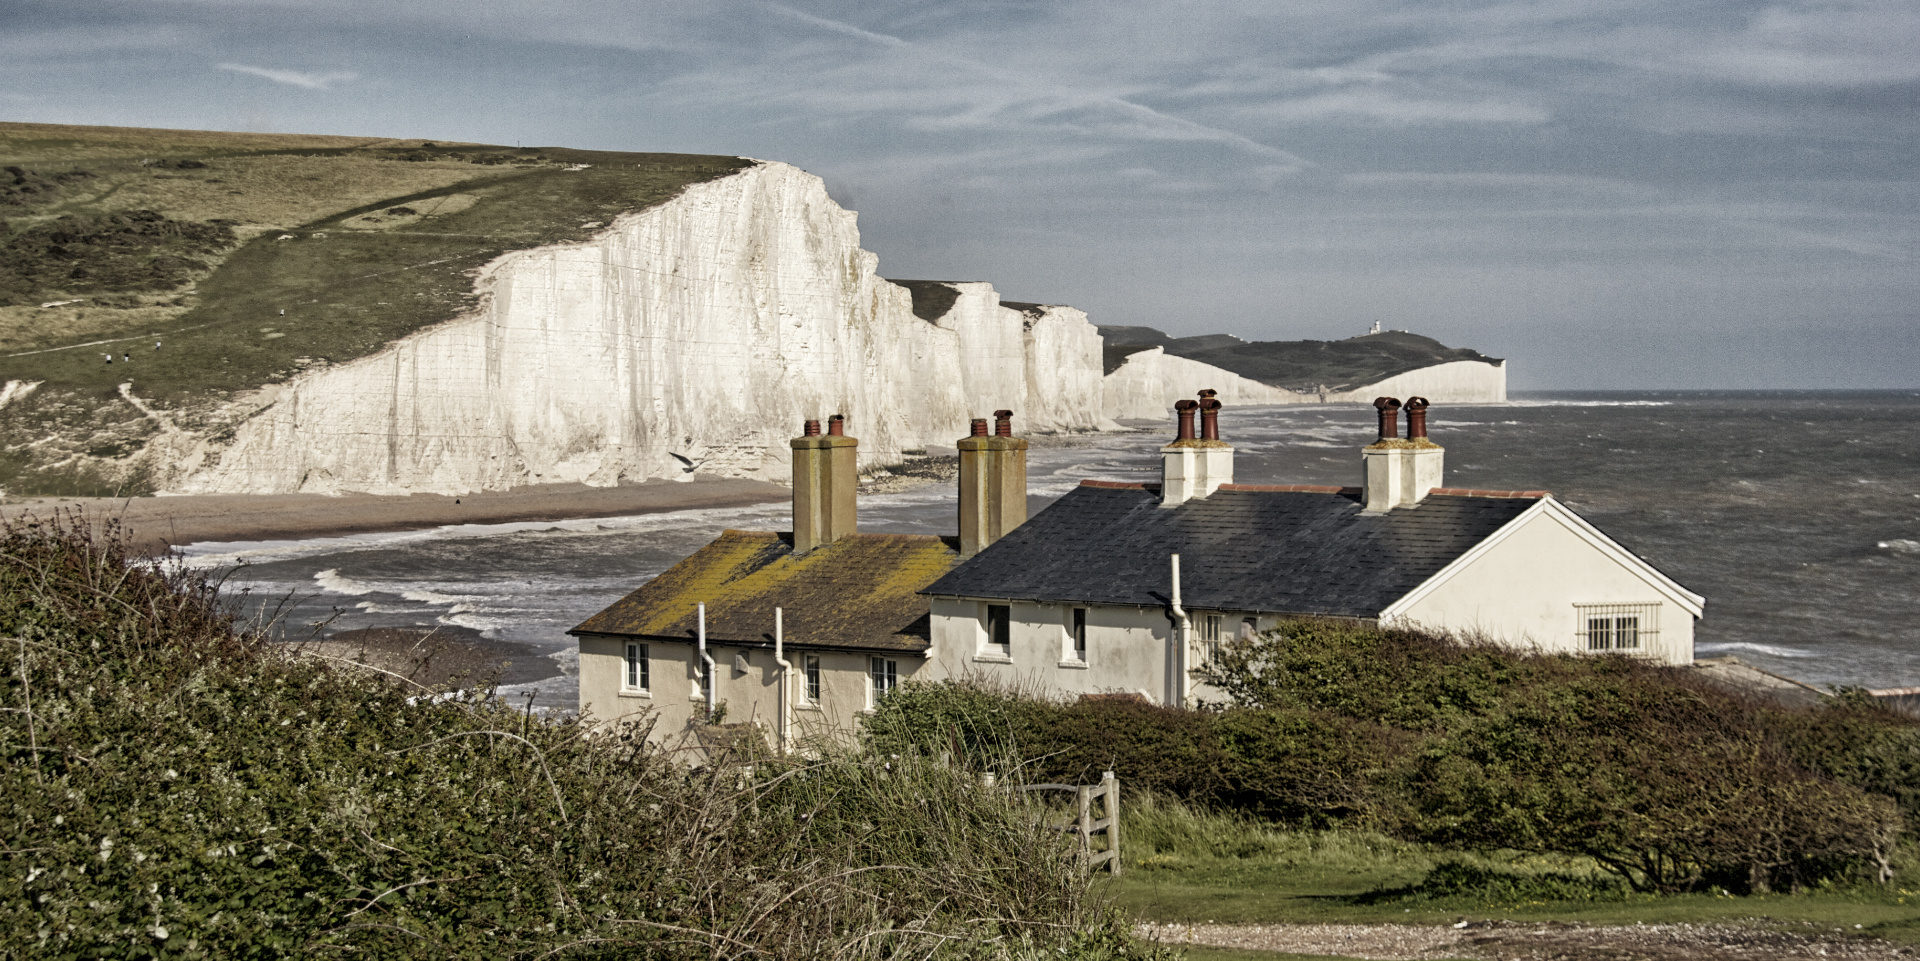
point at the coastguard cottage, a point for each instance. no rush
(1114, 588)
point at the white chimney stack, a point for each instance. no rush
(1195, 466)
(1400, 472)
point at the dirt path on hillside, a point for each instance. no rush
(1551, 941)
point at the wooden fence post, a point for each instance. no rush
(1112, 785)
(1085, 797)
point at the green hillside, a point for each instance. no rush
(1295, 364)
(250, 258)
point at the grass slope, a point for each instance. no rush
(1191, 865)
(1295, 364)
(251, 258)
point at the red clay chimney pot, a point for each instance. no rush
(812, 428)
(1185, 408)
(1209, 417)
(1416, 417)
(979, 427)
(1003, 423)
(1389, 408)
(837, 425)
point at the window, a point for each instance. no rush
(1249, 626)
(1210, 630)
(811, 665)
(999, 630)
(638, 675)
(886, 676)
(1077, 629)
(1616, 627)
(704, 676)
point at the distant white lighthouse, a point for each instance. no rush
(1375, 328)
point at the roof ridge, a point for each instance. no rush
(1290, 488)
(1120, 485)
(1477, 492)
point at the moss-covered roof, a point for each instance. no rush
(859, 592)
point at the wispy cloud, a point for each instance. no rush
(1030, 97)
(293, 78)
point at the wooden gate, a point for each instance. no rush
(1107, 792)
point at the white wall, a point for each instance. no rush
(1127, 650)
(1522, 590)
(750, 697)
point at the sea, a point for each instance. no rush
(1797, 515)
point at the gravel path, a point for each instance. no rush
(1552, 941)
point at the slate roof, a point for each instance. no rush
(1278, 550)
(857, 593)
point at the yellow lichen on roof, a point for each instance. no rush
(860, 591)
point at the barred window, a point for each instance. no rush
(1616, 627)
(812, 663)
(1210, 635)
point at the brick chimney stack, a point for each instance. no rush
(993, 483)
(825, 477)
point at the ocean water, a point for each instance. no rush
(1796, 514)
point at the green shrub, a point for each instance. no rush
(1671, 784)
(1154, 748)
(1304, 767)
(177, 788)
(1674, 789)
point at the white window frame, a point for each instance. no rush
(636, 669)
(882, 677)
(991, 646)
(1616, 628)
(1077, 647)
(810, 678)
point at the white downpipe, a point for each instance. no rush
(1180, 632)
(783, 723)
(712, 683)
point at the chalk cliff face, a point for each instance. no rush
(1148, 383)
(694, 335)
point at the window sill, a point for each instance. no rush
(815, 708)
(992, 659)
(646, 694)
(1074, 665)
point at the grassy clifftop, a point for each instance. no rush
(1295, 364)
(250, 258)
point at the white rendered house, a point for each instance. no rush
(1127, 587)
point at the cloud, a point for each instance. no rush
(293, 78)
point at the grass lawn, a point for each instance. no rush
(1187, 866)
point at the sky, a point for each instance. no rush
(1612, 194)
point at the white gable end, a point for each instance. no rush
(1551, 581)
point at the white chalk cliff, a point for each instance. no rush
(695, 335)
(1148, 382)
